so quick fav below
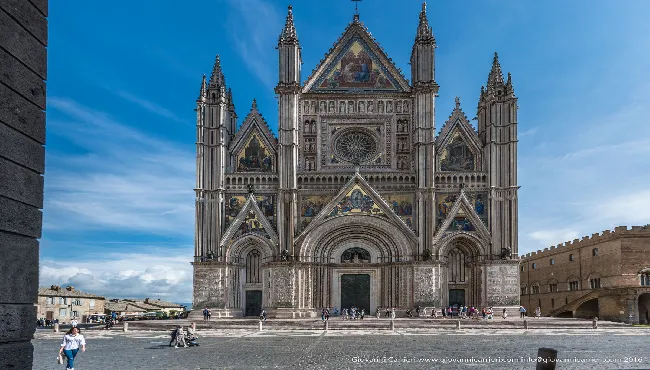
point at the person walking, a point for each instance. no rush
(538, 312)
(72, 340)
(522, 312)
(392, 314)
(378, 313)
(505, 314)
(205, 314)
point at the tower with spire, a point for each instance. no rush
(356, 200)
(497, 130)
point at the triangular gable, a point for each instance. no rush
(249, 220)
(458, 127)
(356, 63)
(254, 123)
(358, 197)
(462, 208)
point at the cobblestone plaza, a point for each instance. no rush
(615, 348)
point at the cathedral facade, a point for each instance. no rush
(357, 202)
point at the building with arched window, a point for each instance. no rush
(357, 201)
(606, 276)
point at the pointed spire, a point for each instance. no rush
(254, 106)
(217, 78)
(495, 77)
(424, 31)
(457, 103)
(510, 90)
(289, 35)
(203, 94)
(231, 103)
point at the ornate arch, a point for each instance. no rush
(244, 244)
(380, 237)
(474, 245)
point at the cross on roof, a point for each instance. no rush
(356, 8)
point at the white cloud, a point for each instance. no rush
(126, 180)
(254, 27)
(160, 273)
(149, 106)
(554, 237)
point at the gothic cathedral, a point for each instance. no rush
(357, 202)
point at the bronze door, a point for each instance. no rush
(355, 291)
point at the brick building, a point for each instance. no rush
(67, 303)
(606, 276)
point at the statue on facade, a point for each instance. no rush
(426, 254)
(506, 253)
(250, 189)
(284, 255)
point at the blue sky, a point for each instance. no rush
(123, 81)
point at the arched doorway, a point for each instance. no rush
(644, 308)
(253, 282)
(588, 309)
(460, 271)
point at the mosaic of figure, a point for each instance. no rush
(445, 203)
(251, 225)
(355, 255)
(310, 207)
(235, 203)
(255, 157)
(461, 224)
(356, 69)
(402, 205)
(356, 201)
(457, 156)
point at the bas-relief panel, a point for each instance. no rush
(425, 290)
(356, 68)
(503, 285)
(356, 201)
(234, 204)
(209, 287)
(255, 157)
(402, 205)
(310, 207)
(457, 156)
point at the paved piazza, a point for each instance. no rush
(610, 348)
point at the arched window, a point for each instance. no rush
(645, 276)
(535, 288)
(552, 286)
(573, 283)
(355, 254)
(594, 281)
(456, 267)
(253, 267)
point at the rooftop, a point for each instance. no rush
(69, 291)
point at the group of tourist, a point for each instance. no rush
(183, 338)
(206, 314)
(353, 313)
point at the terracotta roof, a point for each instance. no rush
(65, 292)
(123, 307)
(164, 304)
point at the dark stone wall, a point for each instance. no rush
(23, 71)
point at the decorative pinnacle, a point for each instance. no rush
(424, 31)
(204, 91)
(457, 99)
(254, 106)
(289, 35)
(217, 78)
(496, 75)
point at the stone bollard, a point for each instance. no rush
(56, 327)
(327, 325)
(392, 325)
(458, 324)
(193, 326)
(525, 324)
(126, 326)
(260, 325)
(595, 323)
(546, 359)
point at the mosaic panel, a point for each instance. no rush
(234, 204)
(255, 157)
(457, 156)
(357, 67)
(356, 201)
(310, 207)
(402, 205)
(251, 225)
(446, 201)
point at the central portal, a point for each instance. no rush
(355, 291)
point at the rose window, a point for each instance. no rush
(356, 146)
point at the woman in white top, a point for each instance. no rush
(70, 345)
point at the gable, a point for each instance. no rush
(255, 155)
(254, 125)
(250, 220)
(357, 197)
(462, 212)
(357, 64)
(458, 145)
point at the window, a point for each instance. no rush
(552, 287)
(595, 283)
(524, 291)
(92, 303)
(75, 313)
(552, 303)
(571, 257)
(552, 261)
(566, 300)
(594, 252)
(62, 312)
(535, 289)
(645, 277)
(522, 268)
(534, 265)
(77, 302)
(49, 300)
(61, 300)
(573, 285)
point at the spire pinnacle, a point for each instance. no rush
(254, 106)
(203, 93)
(457, 99)
(496, 75)
(289, 35)
(217, 78)
(424, 31)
